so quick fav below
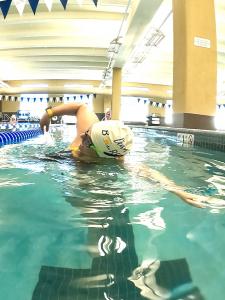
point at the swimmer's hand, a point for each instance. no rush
(191, 199)
(44, 122)
(199, 201)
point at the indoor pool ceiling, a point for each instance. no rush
(74, 50)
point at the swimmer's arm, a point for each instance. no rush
(85, 117)
(199, 201)
(69, 109)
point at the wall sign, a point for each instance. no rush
(185, 139)
(202, 42)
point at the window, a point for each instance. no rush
(169, 112)
(134, 109)
(73, 98)
(220, 117)
(34, 103)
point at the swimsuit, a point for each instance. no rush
(74, 150)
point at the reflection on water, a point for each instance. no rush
(113, 236)
(114, 272)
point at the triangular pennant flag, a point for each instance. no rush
(81, 97)
(95, 2)
(20, 4)
(5, 5)
(33, 5)
(64, 3)
(49, 4)
(88, 96)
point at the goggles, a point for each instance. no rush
(87, 141)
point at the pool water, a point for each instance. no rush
(70, 230)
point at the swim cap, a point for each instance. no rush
(111, 138)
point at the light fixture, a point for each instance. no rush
(4, 85)
(34, 85)
(79, 86)
(114, 46)
(156, 36)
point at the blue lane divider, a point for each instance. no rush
(7, 137)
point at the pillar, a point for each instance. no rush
(195, 64)
(116, 93)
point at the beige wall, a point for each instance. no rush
(107, 102)
(98, 104)
(101, 103)
(194, 67)
(8, 106)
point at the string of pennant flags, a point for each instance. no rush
(80, 98)
(43, 99)
(72, 98)
(20, 4)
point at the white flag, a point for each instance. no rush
(49, 4)
(20, 4)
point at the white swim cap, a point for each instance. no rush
(111, 138)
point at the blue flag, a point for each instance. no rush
(5, 5)
(33, 5)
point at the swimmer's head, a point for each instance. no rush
(111, 138)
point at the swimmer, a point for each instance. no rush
(111, 139)
(94, 138)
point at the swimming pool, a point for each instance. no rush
(70, 230)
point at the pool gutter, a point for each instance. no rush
(210, 139)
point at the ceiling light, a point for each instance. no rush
(4, 85)
(156, 36)
(79, 86)
(35, 85)
(114, 46)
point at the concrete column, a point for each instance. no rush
(116, 93)
(195, 64)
